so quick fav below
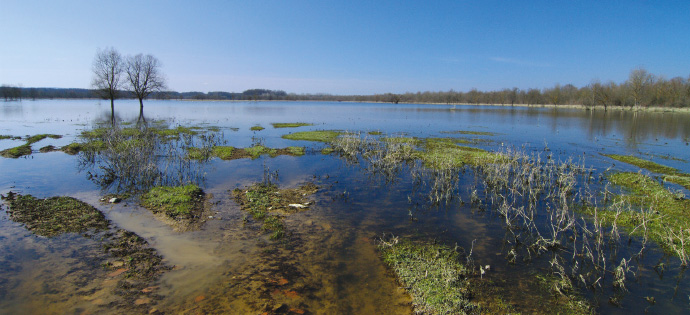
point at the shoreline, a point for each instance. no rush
(565, 106)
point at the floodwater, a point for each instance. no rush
(328, 262)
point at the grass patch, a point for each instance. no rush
(290, 125)
(375, 133)
(442, 153)
(673, 175)
(176, 132)
(432, 274)
(175, 202)
(401, 140)
(8, 137)
(254, 152)
(318, 135)
(642, 163)
(256, 128)
(295, 151)
(327, 150)
(666, 215)
(54, 216)
(16, 152)
(223, 152)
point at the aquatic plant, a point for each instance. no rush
(433, 275)
(175, 202)
(256, 128)
(317, 135)
(290, 125)
(54, 216)
(16, 152)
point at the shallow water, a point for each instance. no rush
(328, 263)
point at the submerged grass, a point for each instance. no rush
(290, 125)
(467, 132)
(256, 128)
(432, 274)
(268, 204)
(175, 202)
(54, 216)
(317, 135)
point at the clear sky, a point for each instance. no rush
(348, 47)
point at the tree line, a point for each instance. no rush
(641, 89)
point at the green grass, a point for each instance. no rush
(256, 128)
(16, 152)
(6, 137)
(172, 133)
(290, 125)
(223, 152)
(296, 151)
(641, 163)
(37, 138)
(673, 175)
(444, 152)
(318, 135)
(181, 201)
(375, 133)
(432, 274)
(54, 216)
(327, 150)
(664, 211)
(401, 140)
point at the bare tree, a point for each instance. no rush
(107, 69)
(144, 76)
(639, 82)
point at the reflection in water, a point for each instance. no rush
(329, 263)
(138, 158)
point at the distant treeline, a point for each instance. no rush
(642, 89)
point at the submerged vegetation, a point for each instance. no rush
(253, 152)
(268, 204)
(54, 216)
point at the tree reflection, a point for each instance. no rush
(134, 159)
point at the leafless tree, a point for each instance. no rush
(144, 76)
(107, 70)
(639, 82)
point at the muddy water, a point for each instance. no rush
(328, 263)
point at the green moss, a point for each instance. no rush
(257, 128)
(257, 150)
(432, 274)
(318, 135)
(662, 210)
(327, 150)
(290, 125)
(54, 216)
(181, 201)
(16, 152)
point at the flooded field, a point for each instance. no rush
(538, 203)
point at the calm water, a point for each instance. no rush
(329, 260)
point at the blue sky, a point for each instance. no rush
(348, 47)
